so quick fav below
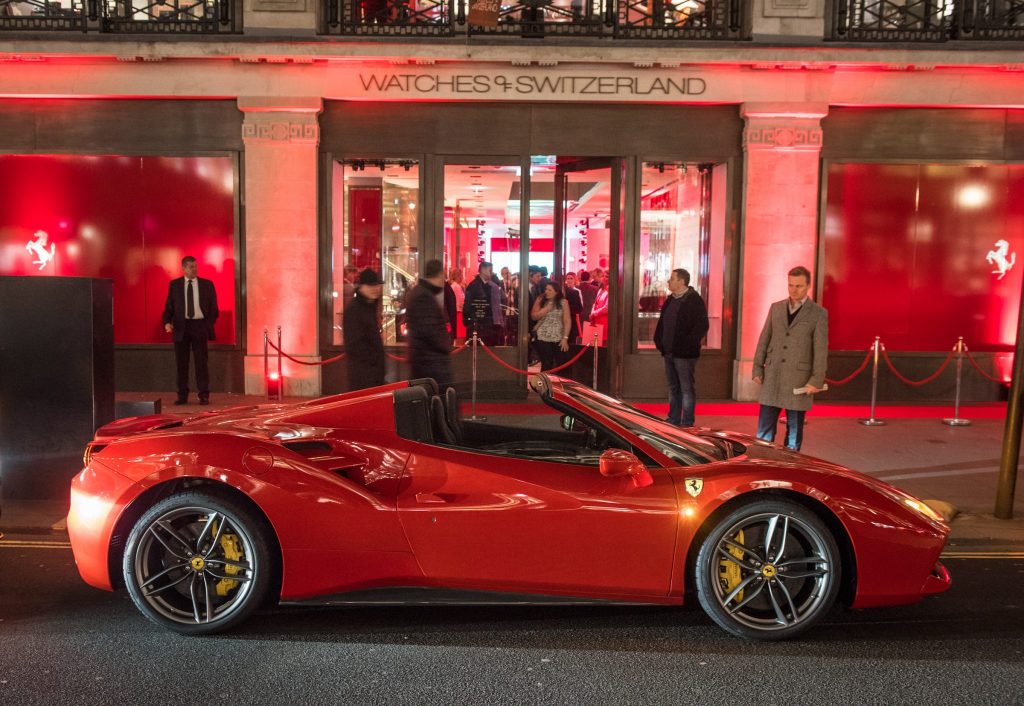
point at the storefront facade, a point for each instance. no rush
(893, 174)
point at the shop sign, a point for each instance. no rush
(484, 13)
(515, 86)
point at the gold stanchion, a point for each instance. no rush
(872, 421)
(955, 420)
(473, 417)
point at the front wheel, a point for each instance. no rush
(198, 563)
(768, 571)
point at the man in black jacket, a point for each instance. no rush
(481, 309)
(429, 342)
(681, 328)
(190, 313)
(361, 325)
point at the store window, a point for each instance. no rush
(481, 223)
(920, 254)
(128, 219)
(375, 226)
(682, 225)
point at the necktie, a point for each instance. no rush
(190, 304)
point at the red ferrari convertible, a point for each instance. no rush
(205, 518)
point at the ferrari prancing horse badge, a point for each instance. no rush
(694, 486)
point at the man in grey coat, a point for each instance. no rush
(792, 353)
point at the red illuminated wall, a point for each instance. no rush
(364, 211)
(130, 219)
(905, 255)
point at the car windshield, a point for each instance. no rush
(682, 447)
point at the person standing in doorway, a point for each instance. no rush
(599, 313)
(589, 292)
(429, 342)
(575, 299)
(792, 354)
(190, 313)
(551, 312)
(682, 325)
(361, 325)
(458, 288)
(482, 307)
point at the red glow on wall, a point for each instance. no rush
(912, 254)
(364, 212)
(129, 219)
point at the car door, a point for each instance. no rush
(478, 520)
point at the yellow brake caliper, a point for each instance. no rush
(729, 572)
(232, 552)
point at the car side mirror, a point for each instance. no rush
(568, 423)
(616, 462)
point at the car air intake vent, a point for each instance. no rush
(169, 425)
(309, 449)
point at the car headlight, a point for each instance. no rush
(923, 509)
(918, 507)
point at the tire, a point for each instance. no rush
(745, 588)
(198, 563)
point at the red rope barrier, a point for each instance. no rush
(527, 372)
(981, 372)
(305, 362)
(917, 383)
(338, 357)
(854, 374)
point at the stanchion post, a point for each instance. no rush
(594, 386)
(955, 420)
(266, 361)
(473, 417)
(280, 375)
(872, 421)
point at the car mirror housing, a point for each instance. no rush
(616, 462)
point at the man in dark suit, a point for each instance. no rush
(575, 299)
(429, 342)
(589, 293)
(190, 313)
(681, 329)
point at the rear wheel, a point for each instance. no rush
(198, 563)
(768, 571)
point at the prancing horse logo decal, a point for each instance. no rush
(694, 486)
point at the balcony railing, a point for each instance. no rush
(123, 16)
(925, 20)
(389, 17)
(632, 19)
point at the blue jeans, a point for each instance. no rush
(768, 419)
(682, 394)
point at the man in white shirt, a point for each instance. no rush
(190, 313)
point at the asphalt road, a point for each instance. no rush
(62, 642)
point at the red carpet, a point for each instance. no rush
(993, 410)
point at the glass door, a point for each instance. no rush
(576, 234)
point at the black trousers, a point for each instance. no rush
(550, 354)
(195, 340)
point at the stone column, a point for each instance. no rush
(280, 196)
(782, 149)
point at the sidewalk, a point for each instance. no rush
(913, 451)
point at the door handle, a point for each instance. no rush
(432, 498)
